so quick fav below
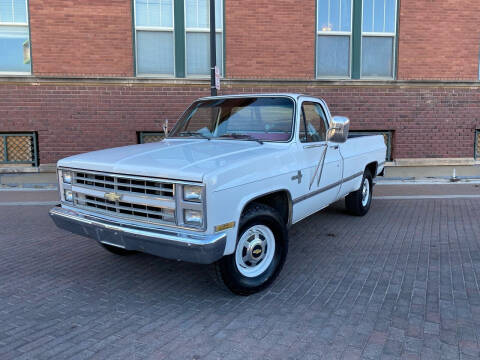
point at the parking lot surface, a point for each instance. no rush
(399, 283)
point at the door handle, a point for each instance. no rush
(334, 147)
(313, 146)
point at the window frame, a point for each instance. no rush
(35, 159)
(141, 135)
(136, 29)
(203, 30)
(302, 114)
(374, 34)
(335, 33)
(179, 31)
(356, 37)
(23, 25)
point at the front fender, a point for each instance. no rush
(233, 201)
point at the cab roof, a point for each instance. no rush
(295, 96)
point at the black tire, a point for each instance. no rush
(354, 201)
(226, 268)
(116, 250)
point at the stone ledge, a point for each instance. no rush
(434, 162)
(230, 82)
(44, 168)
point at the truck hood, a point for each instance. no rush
(188, 160)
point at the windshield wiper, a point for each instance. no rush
(242, 136)
(193, 133)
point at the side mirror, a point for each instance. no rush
(338, 131)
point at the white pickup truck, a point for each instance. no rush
(224, 186)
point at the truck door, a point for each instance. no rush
(321, 162)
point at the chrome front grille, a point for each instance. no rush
(123, 184)
(147, 212)
(125, 196)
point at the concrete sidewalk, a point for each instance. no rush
(412, 189)
(7, 197)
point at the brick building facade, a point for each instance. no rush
(95, 74)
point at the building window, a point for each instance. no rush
(14, 37)
(154, 37)
(197, 36)
(145, 137)
(334, 37)
(356, 38)
(378, 38)
(172, 37)
(16, 149)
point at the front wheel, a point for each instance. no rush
(261, 251)
(358, 202)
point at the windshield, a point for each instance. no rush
(249, 118)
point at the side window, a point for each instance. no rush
(312, 123)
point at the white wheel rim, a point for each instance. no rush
(365, 192)
(255, 251)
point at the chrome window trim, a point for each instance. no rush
(302, 100)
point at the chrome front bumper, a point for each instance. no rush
(174, 244)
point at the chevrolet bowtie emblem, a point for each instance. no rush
(257, 251)
(298, 176)
(113, 197)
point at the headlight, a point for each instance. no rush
(192, 193)
(68, 195)
(67, 177)
(193, 217)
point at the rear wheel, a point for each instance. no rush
(261, 251)
(358, 202)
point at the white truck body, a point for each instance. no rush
(232, 172)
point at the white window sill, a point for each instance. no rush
(11, 73)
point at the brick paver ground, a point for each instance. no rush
(401, 282)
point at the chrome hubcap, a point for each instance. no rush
(365, 192)
(255, 251)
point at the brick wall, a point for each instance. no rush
(73, 119)
(427, 121)
(273, 40)
(439, 39)
(78, 38)
(270, 39)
